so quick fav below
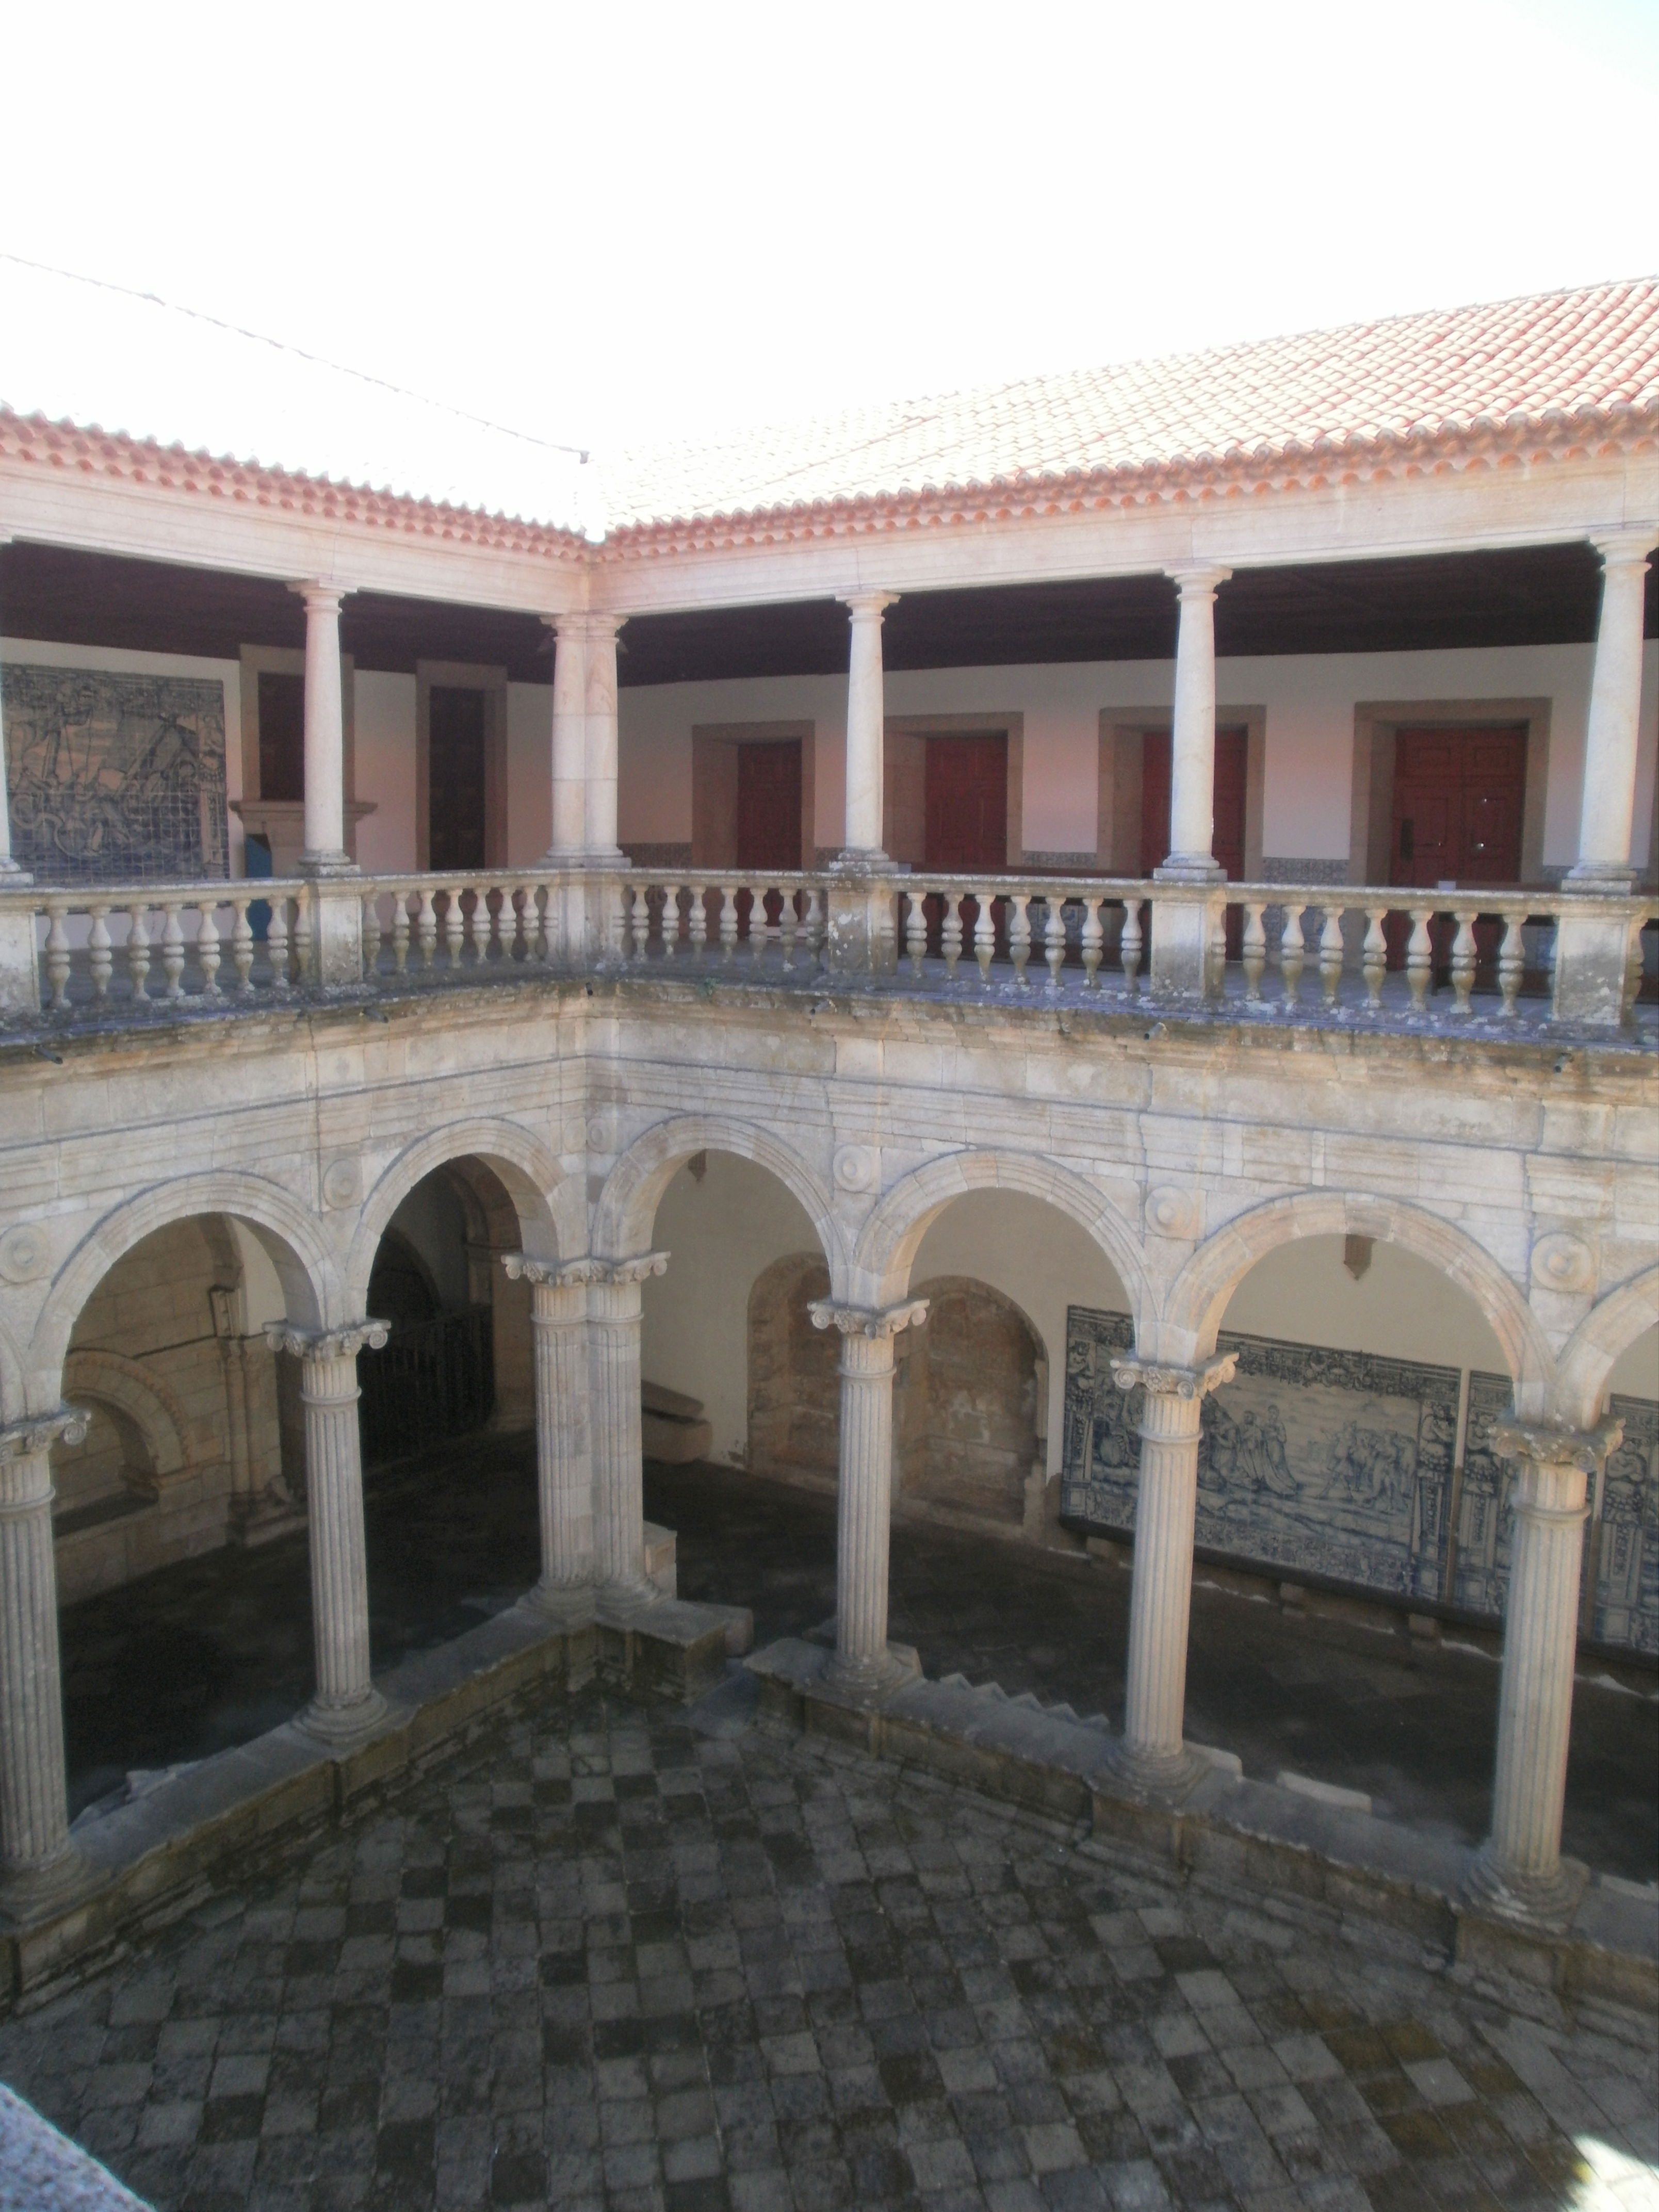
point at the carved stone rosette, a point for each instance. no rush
(864, 1492)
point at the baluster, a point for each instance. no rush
(454, 925)
(541, 898)
(57, 954)
(207, 950)
(1330, 954)
(915, 930)
(633, 907)
(985, 934)
(399, 930)
(1054, 940)
(817, 924)
(1512, 961)
(1633, 968)
(1291, 954)
(100, 953)
(426, 926)
(1130, 943)
(1462, 962)
(491, 902)
(304, 930)
(371, 934)
(1094, 943)
(138, 951)
(951, 934)
(1374, 963)
(1419, 957)
(696, 921)
(1255, 961)
(725, 918)
(1019, 933)
(172, 948)
(670, 921)
(788, 921)
(277, 941)
(241, 946)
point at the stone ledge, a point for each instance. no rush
(148, 1861)
(1231, 1830)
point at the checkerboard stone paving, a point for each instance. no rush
(602, 1959)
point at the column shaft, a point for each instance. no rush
(866, 730)
(9, 871)
(864, 1504)
(614, 1312)
(36, 1855)
(1192, 767)
(570, 737)
(600, 748)
(324, 738)
(1608, 807)
(564, 1462)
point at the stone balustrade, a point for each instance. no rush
(1257, 951)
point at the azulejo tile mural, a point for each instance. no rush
(1343, 1466)
(114, 778)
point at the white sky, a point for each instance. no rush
(620, 223)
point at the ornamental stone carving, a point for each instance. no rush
(1166, 1381)
(25, 1253)
(856, 1168)
(342, 1183)
(1174, 1212)
(559, 1275)
(1546, 1443)
(39, 1432)
(327, 1343)
(1561, 1262)
(872, 1322)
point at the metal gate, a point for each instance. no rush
(432, 1379)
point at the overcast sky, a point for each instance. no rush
(619, 223)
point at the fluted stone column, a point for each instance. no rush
(1153, 1755)
(866, 712)
(1608, 810)
(599, 685)
(564, 1465)
(613, 1312)
(346, 1702)
(569, 739)
(38, 1862)
(1520, 1869)
(1192, 748)
(864, 1498)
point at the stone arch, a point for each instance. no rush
(1610, 1328)
(1198, 1298)
(286, 1230)
(128, 1388)
(892, 1236)
(628, 1205)
(519, 1161)
(13, 1397)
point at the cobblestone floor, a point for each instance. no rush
(604, 1959)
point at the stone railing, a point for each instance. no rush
(1253, 950)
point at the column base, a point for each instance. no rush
(33, 1894)
(1161, 1777)
(1530, 1900)
(1190, 868)
(336, 1725)
(1609, 882)
(853, 860)
(622, 1601)
(877, 1675)
(568, 1605)
(328, 865)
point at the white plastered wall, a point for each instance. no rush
(1309, 702)
(384, 739)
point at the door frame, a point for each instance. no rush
(905, 805)
(1123, 732)
(1376, 727)
(714, 788)
(462, 675)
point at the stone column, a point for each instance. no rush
(1192, 748)
(600, 749)
(1519, 1869)
(1608, 810)
(20, 976)
(569, 737)
(613, 1308)
(1153, 1755)
(12, 877)
(325, 850)
(564, 1465)
(39, 1864)
(864, 1499)
(862, 845)
(347, 1702)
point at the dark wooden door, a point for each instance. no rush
(768, 806)
(967, 804)
(1227, 843)
(282, 736)
(1458, 798)
(455, 778)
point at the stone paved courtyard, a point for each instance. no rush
(605, 1958)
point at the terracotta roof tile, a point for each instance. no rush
(1591, 354)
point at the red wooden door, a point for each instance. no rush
(967, 804)
(1227, 836)
(768, 806)
(1459, 797)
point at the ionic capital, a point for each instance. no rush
(868, 606)
(321, 599)
(39, 1432)
(627, 1270)
(1197, 580)
(560, 1274)
(327, 1343)
(1627, 548)
(873, 1321)
(1547, 1444)
(1160, 1381)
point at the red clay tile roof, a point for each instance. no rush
(1566, 360)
